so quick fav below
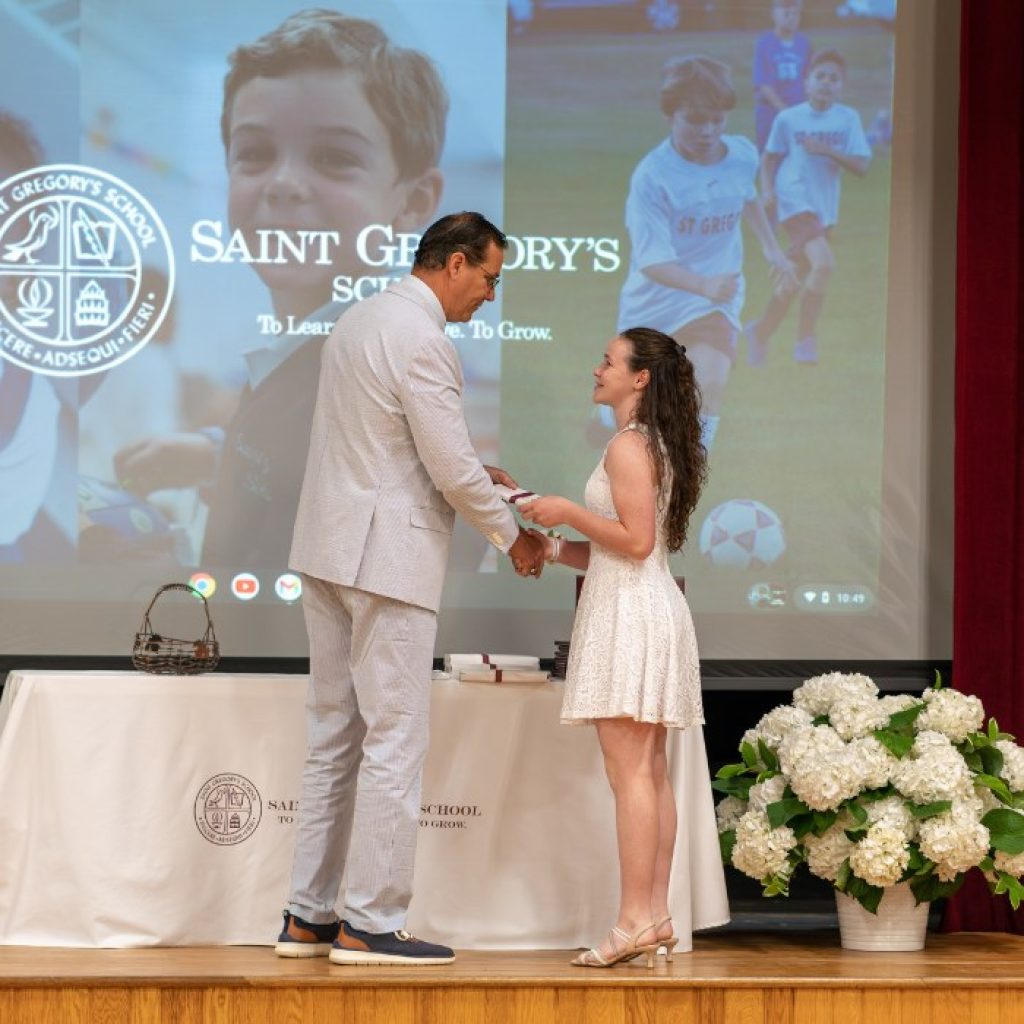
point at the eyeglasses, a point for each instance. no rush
(493, 280)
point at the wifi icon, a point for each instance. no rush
(810, 595)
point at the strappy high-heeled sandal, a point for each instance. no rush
(629, 951)
(668, 944)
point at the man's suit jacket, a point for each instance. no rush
(390, 460)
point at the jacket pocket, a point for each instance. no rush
(429, 518)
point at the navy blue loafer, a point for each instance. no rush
(355, 947)
(301, 938)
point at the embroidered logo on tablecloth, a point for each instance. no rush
(228, 808)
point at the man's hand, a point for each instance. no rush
(499, 476)
(527, 554)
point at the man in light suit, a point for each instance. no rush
(390, 463)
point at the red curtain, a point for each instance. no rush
(988, 602)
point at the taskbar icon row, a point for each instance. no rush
(813, 597)
(245, 586)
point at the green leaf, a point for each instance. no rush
(824, 820)
(820, 720)
(776, 885)
(992, 759)
(782, 810)
(867, 895)
(768, 758)
(917, 860)
(727, 771)
(843, 875)
(860, 816)
(895, 743)
(1006, 830)
(923, 811)
(765, 775)
(872, 795)
(1007, 883)
(927, 888)
(937, 685)
(738, 786)
(803, 824)
(906, 717)
(749, 756)
(1000, 788)
(855, 835)
(726, 841)
(973, 761)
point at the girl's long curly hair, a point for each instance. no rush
(669, 410)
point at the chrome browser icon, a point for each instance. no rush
(204, 583)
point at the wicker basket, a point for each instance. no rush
(168, 656)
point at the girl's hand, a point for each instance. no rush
(547, 511)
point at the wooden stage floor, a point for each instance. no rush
(744, 977)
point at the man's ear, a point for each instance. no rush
(421, 199)
(456, 263)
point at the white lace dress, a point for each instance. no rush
(633, 652)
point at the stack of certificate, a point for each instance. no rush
(495, 668)
(455, 663)
(503, 675)
(561, 658)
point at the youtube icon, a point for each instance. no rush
(245, 586)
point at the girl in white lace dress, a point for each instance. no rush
(633, 668)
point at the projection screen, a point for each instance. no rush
(170, 264)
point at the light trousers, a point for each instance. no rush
(367, 721)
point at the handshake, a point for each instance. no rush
(531, 548)
(529, 552)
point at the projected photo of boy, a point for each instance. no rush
(328, 127)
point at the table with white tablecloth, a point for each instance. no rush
(142, 810)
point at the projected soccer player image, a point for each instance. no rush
(780, 63)
(795, 492)
(810, 146)
(327, 127)
(687, 201)
(30, 410)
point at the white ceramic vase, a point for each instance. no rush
(898, 925)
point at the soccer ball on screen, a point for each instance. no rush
(742, 534)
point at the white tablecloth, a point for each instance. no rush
(139, 810)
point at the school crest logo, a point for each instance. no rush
(86, 270)
(228, 809)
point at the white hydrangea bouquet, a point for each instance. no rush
(872, 791)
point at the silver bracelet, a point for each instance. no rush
(556, 550)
